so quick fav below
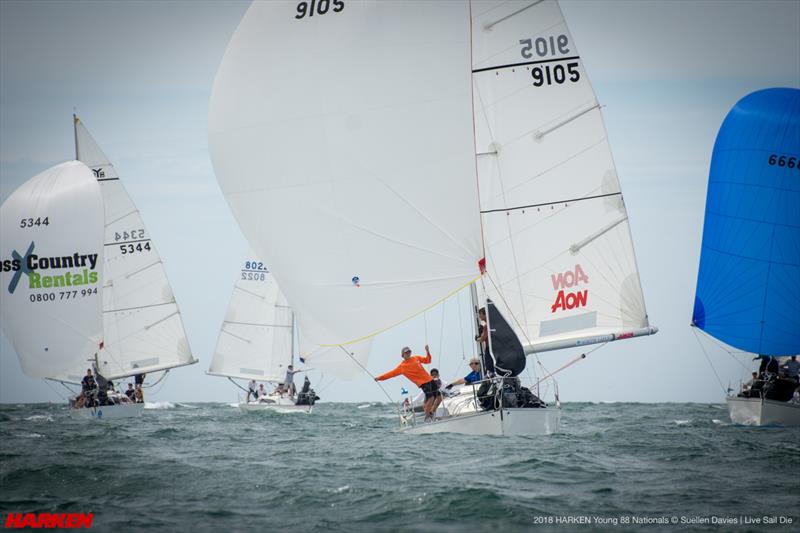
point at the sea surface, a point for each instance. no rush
(209, 467)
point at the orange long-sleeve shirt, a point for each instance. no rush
(412, 369)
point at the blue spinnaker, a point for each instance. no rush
(748, 286)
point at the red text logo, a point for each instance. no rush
(49, 520)
(569, 300)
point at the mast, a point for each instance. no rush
(75, 120)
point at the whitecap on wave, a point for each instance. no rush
(160, 405)
(40, 418)
(364, 406)
(682, 422)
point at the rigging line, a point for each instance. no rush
(505, 209)
(460, 325)
(441, 335)
(157, 381)
(231, 380)
(55, 391)
(431, 306)
(391, 400)
(490, 25)
(702, 348)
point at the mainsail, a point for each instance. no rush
(748, 285)
(351, 168)
(559, 253)
(256, 338)
(142, 323)
(51, 245)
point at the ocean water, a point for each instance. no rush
(209, 467)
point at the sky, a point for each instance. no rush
(139, 74)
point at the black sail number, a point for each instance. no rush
(555, 74)
(318, 7)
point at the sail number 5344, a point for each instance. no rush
(318, 7)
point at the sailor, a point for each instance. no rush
(138, 379)
(138, 394)
(483, 339)
(88, 388)
(251, 390)
(288, 383)
(791, 368)
(440, 383)
(130, 392)
(473, 377)
(411, 367)
(261, 391)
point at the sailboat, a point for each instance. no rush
(748, 284)
(257, 340)
(385, 156)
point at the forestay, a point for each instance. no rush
(748, 285)
(560, 259)
(343, 143)
(143, 327)
(51, 241)
(255, 341)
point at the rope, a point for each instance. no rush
(55, 391)
(378, 383)
(159, 380)
(724, 390)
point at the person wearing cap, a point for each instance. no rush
(412, 368)
(288, 383)
(473, 377)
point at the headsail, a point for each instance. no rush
(748, 285)
(560, 258)
(51, 246)
(143, 327)
(350, 168)
(255, 341)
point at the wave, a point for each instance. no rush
(160, 405)
(39, 418)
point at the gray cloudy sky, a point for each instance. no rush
(140, 75)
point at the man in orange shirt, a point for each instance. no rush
(411, 367)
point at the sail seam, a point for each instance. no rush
(490, 25)
(503, 209)
(524, 64)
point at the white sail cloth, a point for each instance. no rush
(143, 327)
(51, 248)
(351, 168)
(255, 341)
(559, 252)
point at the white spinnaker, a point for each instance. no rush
(553, 215)
(143, 327)
(343, 143)
(255, 341)
(55, 328)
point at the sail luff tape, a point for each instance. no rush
(387, 328)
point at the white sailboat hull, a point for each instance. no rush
(108, 412)
(508, 422)
(281, 405)
(758, 412)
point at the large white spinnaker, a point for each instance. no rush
(560, 258)
(143, 327)
(343, 143)
(255, 341)
(51, 247)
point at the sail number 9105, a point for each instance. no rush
(319, 7)
(550, 74)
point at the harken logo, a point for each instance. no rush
(99, 172)
(49, 520)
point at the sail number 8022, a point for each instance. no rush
(319, 7)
